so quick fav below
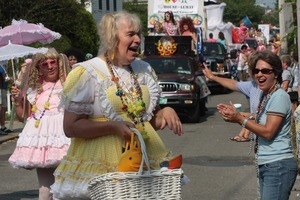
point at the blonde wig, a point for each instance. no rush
(34, 81)
(108, 29)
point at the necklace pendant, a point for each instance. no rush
(140, 127)
(124, 108)
(119, 93)
(47, 105)
(114, 79)
(144, 134)
(34, 108)
(37, 123)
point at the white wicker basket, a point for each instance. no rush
(142, 185)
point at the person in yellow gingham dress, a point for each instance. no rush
(95, 117)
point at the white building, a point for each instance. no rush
(100, 7)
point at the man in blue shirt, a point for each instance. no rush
(3, 101)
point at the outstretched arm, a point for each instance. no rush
(225, 82)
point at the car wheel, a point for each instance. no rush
(195, 114)
(203, 108)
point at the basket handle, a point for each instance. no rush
(145, 159)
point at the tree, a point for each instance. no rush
(68, 17)
(235, 11)
(141, 10)
(271, 18)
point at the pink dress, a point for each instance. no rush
(43, 146)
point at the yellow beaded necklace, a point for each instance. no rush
(46, 107)
(132, 100)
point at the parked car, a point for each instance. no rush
(217, 59)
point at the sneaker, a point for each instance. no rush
(6, 130)
(2, 132)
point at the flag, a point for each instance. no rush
(246, 22)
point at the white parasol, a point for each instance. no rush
(12, 51)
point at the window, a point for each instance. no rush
(107, 5)
(115, 5)
(100, 4)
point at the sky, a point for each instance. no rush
(269, 3)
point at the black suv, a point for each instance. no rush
(177, 76)
(217, 59)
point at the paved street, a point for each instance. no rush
(219, 169)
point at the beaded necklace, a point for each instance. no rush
(132, 99)
(260, 109)
(46, 107)
(258, 94)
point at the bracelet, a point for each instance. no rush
(210, 76)
(245, 122)
(250, 116)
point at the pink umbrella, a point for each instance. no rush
(22, 32)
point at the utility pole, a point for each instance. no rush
(282, 27)
(298, 26)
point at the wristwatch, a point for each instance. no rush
(246, 120)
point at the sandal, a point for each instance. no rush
(239, 139)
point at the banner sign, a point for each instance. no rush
(176, 6)
(180, 8)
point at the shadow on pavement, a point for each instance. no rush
(221, 161)
(29, 194)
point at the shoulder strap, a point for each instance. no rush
(91, 66)
(292, 81)
(101, 75)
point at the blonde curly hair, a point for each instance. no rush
(34, 76)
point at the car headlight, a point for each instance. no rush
(186, 87)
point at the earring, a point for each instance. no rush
(112, 56)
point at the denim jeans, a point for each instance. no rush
(277, 179)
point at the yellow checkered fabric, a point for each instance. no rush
(87, 158)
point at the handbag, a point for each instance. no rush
(160, 184)
(293, 96)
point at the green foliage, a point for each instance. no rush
(235, 11)
(141, 10)
(68, 17)
(271, 18)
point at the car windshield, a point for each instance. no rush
(170, 65)
(212, 48)
(251, 43)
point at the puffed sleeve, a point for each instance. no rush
(148, 77)
(78, 91)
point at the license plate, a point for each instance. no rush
(163, 100)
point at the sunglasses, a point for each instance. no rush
(263, 71)
(48, 62)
